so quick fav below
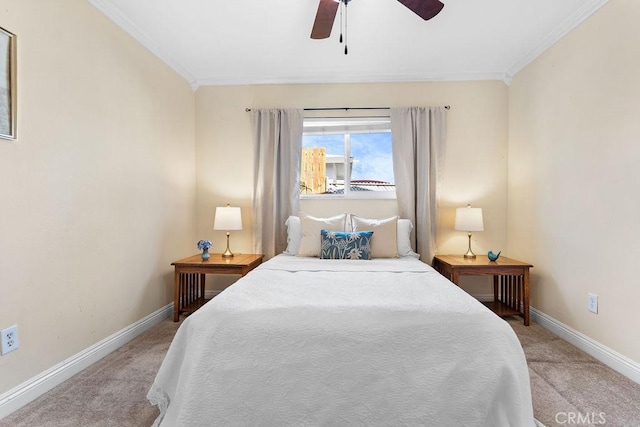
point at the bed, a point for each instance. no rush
(314, 342)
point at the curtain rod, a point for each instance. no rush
(447, 107)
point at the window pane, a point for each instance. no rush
(323, 166)
(372, 162)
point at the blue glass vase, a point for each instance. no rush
(205, 254)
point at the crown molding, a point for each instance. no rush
(141, 37)
(361, 78)
(589, 8)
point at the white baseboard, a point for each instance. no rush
(30, 390)
(609, 357)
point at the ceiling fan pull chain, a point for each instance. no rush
(341, 6)
(346, 20)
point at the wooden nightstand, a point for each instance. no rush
(510, 280)
(189, 277)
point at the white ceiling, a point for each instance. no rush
(217, 42)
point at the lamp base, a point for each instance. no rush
(469, 254)
(227, 253)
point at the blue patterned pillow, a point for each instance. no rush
(344, 245)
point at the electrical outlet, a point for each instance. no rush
(10, 339)
(592, 304)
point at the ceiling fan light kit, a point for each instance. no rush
(328, 9)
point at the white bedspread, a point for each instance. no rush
(310, 342)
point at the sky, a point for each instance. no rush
(371, 152)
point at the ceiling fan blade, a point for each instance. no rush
(425, 9)
(325, 16)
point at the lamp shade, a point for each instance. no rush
(469, 219)
(228, 218)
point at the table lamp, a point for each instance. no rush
(227, 218)
(469, 219)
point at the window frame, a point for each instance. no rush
(347, 126)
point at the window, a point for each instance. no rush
(347, 157)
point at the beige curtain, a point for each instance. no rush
(277, 138)
(418, 138)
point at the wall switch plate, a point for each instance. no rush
(9, 339)
(592, 304)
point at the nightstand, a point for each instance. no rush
(510, 280)
(189, 277)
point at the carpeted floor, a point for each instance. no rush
(568, 386)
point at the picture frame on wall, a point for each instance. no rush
(8, 94)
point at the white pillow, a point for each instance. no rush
(384, 242)
(311, 226)
(405, 226)
(294, 233)
(404, 238)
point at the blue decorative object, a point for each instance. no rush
(344, 245)
(492, 256)
(204, 246)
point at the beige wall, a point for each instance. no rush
(574, 185)
(97, 195)
(475, 169)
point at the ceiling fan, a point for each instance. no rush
(327, 10)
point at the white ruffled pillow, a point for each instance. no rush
(405, 226)
(294, 234)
